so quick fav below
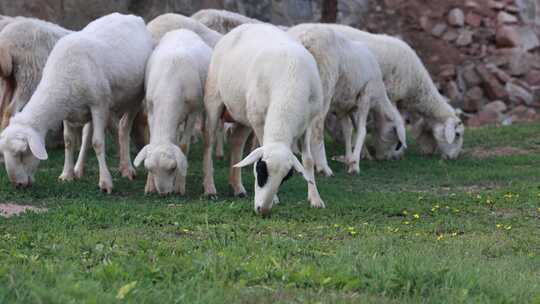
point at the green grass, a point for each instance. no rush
(418, 230)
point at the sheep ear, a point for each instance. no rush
(300, 169)
(36, 145)
(254, 156)
(181, 160)
(401, 134)
(450, 130)
(141, 156)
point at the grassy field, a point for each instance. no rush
(418, 230)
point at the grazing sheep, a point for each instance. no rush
(89, 75)
(352, 84)
(175, 78)
(222, 21)
(169, 22)
(408, 83)
(276, 91)
(25, 45)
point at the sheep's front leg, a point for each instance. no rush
(70, 139)
(239, 138)
(150, 185)
(220, 140)
(99, 120)
(347, 130)
(362, 114)
(212, 119)
(309, 167)
(124, 134)
(185, 141)
(83, 152)
(318, 148)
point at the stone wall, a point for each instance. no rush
(75, 14)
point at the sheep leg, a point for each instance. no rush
(83, 152)
(362, 114)
(185, 142)
(220, 140)
(347, 130)
(99, 120)
(318, 148)
(69, 149)
(211, 124)
(309, 168)
(239, 138)
(124, 134)
(150, 186)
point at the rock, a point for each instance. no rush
(471, 4)
(470, 76)
(494, 89)
(425, 23)
(439, 29)
(496, 106)
(496, 5)
(533, 78)
(528, 38)
(506, 18)
(473, 19)
(447, 71)
(474, 100)
(519, 62)
(452, 91)
(507, 36)
(456, 17)
(518, 94)
(485, 117)
(523, 114)
(465, 38)
(450, 35)
(500, 74)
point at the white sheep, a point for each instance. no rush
(165, 23)
(25, 45)
(408, 83)
(89, 75)
(222, 21)
(275, 89)
(175, 78)
(352, 84)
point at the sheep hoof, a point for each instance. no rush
(66, 177)
(78, 173)
(317, 203)
(326, 172)
(105, 186)
(211, 196)
(128, 172)
(241, 195)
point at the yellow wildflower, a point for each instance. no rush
(416, 216)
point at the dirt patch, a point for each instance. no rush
(483, 153)
(10, 209)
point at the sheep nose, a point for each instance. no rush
(20, 185)
(263, 211)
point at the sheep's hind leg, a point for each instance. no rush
(83, 153)
(124, 132)
(212, 118)
(99, 120)
(238, 141)
(309, 168)
(70, 139)
(318, 148)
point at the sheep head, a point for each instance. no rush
(445, 137)
(165, 162)
(390, 135)
(23, 148)
(273, 165)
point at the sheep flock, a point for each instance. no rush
(220, 76)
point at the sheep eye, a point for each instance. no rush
(289, 175)
(458, 134)
(262, 173)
